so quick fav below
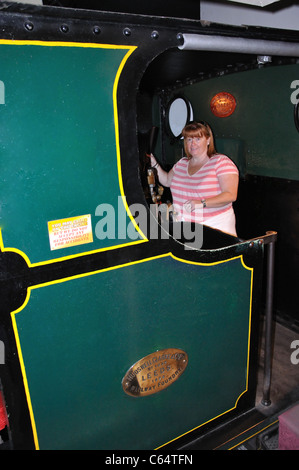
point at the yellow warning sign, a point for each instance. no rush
(69, 232)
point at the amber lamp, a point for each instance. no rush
(223, 104)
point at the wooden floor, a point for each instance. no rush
(254, 429)
(284, 391)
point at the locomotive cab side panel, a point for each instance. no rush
(117, 338)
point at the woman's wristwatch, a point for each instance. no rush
(204, 204)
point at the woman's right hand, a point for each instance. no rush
(153, 160)
(164, 177)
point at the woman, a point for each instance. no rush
(203, 184)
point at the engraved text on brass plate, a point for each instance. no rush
(155, 372)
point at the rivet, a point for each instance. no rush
(29, 26)
(155, 35)
(127, 32)
(64, 28)
(96, 30)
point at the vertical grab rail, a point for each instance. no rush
(269, 318)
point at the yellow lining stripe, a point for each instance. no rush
(248, 348)
(13, 314)
(251, 436)
(130, 49)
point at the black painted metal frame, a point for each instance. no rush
(152, 35)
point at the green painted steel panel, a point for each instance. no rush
(260, 136)
(78, 339)
(58, 141)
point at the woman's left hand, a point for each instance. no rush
(189, 206)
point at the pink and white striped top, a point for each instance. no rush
(203, 184)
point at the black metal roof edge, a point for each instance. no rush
(225, 70)
(182, 24)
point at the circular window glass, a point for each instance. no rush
(178, 114)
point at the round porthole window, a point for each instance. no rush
(179, 112)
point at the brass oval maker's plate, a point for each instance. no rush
(155, 372)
